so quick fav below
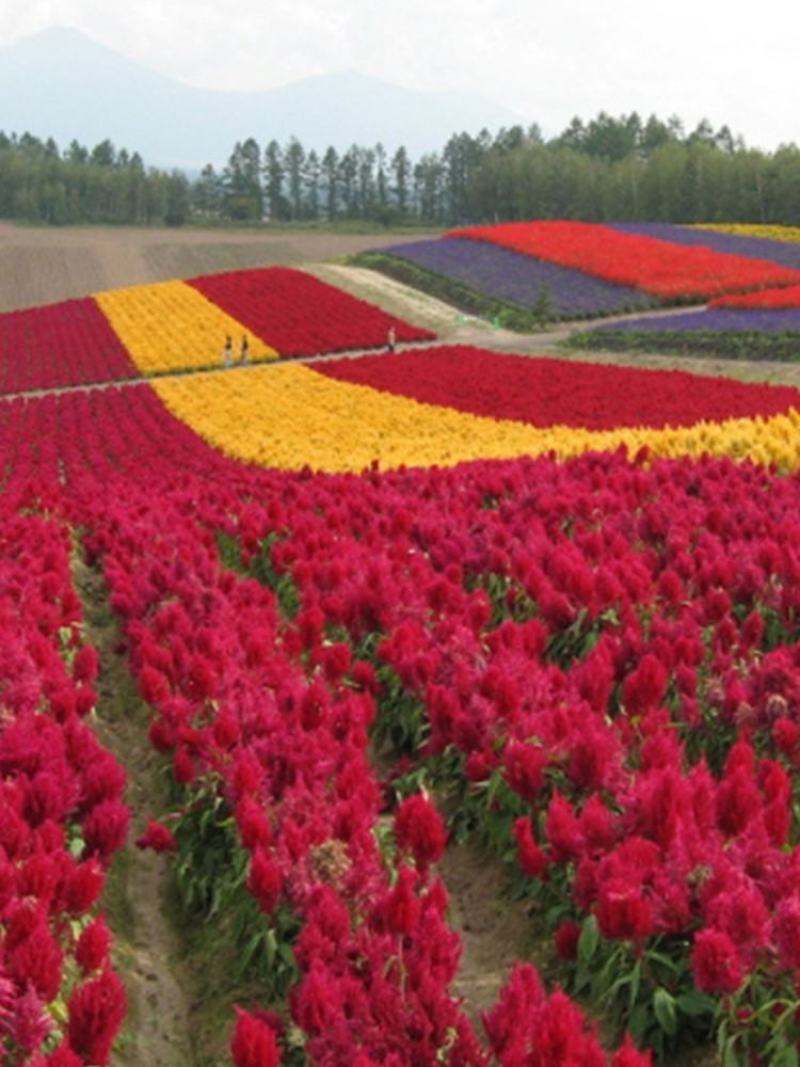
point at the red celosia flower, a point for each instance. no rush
(96, 1010)
(254, 1043)
(91, 952)
(644, 688)
(563, 830)
(264, 880)
(86, 664)
(786, 733)
(787, 931)
(566, 938)
(37, 960)
(183, 767)
(30, 1024)
(253, 824)
(715, 962)
(629, 1056)
(62, 1057)
(313, 706)
(84, 886)
(524, 769)
(420, 830)
(157, 837)
(530, 856)
(105, 828)
(402, 903)
(623, 912)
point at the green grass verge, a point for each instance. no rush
(751, 345)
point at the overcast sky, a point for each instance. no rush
(547, 61)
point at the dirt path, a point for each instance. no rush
(495, 933)
(147, 950)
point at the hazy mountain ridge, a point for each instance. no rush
(61, 84)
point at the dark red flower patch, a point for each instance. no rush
(549, 392)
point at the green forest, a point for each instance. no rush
(609, 168)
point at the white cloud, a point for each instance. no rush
(547, 61)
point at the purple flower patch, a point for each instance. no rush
(782, 252)
(721, 320)
(521, 280)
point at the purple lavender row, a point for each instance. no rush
(782, 252)
(506, 275)
(719, 321)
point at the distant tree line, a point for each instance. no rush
(39, 183)
(605, 169)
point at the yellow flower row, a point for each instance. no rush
(170, 326)
(288, 417)
(742, 229)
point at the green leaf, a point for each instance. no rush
(640, 1018)
(785, 1057)
(664, 1009)
(730, 1057)
(636, 978)
(696, 1003)
(589, 940)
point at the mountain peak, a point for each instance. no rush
(61, 83)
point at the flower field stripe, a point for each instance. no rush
(170, 326)
(511, 276)
(299, 315)
(722, 319)
(778, 299)
(761, 246)
(59, 788)
(57, 345)
(667, 270)
(547, 392)
(292, 417)
(763, 231)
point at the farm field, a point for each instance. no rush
(368, 637)
(177, 326)
(528, 275)
(47, 265)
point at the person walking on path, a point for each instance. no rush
(391, 339)
(227, 352)
(244, 354)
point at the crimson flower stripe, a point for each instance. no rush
(551, 392)
(69, 343)
(667, 270)
(299, 315)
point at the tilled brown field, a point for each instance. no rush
(39, 265)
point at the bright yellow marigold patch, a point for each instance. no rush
(746, 229)
(170, 326)
(288, 416)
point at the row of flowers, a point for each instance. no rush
(61, 812)
(294, 417)
(299, 315)
(242, 708)
(729, 241)
(790, 234)
(170, 326)
(62, 344)
(766, 298)
(666, 269)
(602, 658)
(556, 392)
(510, 276)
